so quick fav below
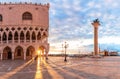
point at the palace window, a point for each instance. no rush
(28, 35)
(22, 36)
(10, 36)
(33, 36)
(4, 37)
(27, 16)
(16, 36)
(38, 36)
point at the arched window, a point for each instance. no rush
(28, 35)
(27, 16)
(16, 36)
(10, 36)
(33, 36)
(4, 38)
(22, 36)
(1, 18)
(38, 36)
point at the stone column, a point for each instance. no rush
(30, 36)
(12, 55)
(13, 38)
(1, 37)
(24, 54)
(1, 56)
(96, 41)
(7, 37)
(46, 53)
(19, 37)
(95, 25)
(36, 37)
(25, 37)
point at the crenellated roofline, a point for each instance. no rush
(25, 3)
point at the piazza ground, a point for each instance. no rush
(56, 68)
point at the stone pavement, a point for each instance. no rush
(56, 68)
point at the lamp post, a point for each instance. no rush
(95, 24)
(65, 46)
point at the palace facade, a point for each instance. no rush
(24, 29)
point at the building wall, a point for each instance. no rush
(12, 15)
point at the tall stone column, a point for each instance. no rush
(96, 40)
(95, 25)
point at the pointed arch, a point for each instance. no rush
(7, 53)
(16, 36)
(22, 36)
(28, 35)
(27, 16)
(33, 36)
(19, 54)
(4, 37)
(10, 36)
(30, 52)
(38, 36)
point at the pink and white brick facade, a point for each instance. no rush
(24, 29)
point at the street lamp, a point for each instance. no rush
(65, 46)
(95, 24)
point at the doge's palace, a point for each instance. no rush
(24, 29)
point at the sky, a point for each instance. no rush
(70, 21)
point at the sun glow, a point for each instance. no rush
(38, 52)
(38, 74)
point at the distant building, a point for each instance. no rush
(23, 30)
